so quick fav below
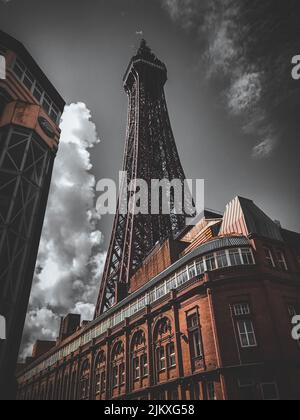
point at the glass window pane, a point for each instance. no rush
(222, 259)
(37, 92)
(247, 256)
(235, 258)
(210, 262)
(28, 80)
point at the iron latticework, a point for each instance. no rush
(25, 164)
(150, 154)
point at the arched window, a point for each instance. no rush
(165, 351)
(117, 369)
(100, 376)
(139, 359)
(84, 381)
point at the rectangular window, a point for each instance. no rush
(182, 277)
(269, 392)
(160, 292)
(134, 308)
(210, 262)
(103, 382)
(193, 321)
(192, 271)
(282, 261)
(269, 257)
(246, 333)
(115, 376)
(247, 256)
(200, 266)
(98, 384)
(28, 80)
(161, 359)
(46, 103)
(171, 285)
(136, 369)
(152, 296)
(235, 257)
(222, 259)
(19, 69)
(246, 389)
(144, 365)
(171, 355)
(122, 374)
(54, 113)
(197, 344)
(241, 309)
(195, 338)
(211, 394)
(38, 92)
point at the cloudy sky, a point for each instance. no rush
(233, 107)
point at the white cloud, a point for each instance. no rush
(216, 25)
(86, 310)
(42, 324)
(244, 93)
(264, 148)
(70, 258)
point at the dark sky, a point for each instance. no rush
(234, 108)
(85, 47)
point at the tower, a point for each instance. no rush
(150, 154)
(30, 109)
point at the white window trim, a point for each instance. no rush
(195, 344)
(282, 259)
(248, 346)
(271, 258)
(235, 306)
(171, 356)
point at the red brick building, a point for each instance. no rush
(208, 317)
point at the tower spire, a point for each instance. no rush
(150, 154)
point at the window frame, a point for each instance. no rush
(282, 261)
(269, 258)
(211, 263)
(263, 384)
(247, 333)
(136, 369)
(115, 377)
(144, 365)
(171, 356)
(195, 335)
(241, 309)
(161, 359)
(122, 375)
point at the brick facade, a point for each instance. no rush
(224, 334)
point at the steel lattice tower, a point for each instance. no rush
(150, 153)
